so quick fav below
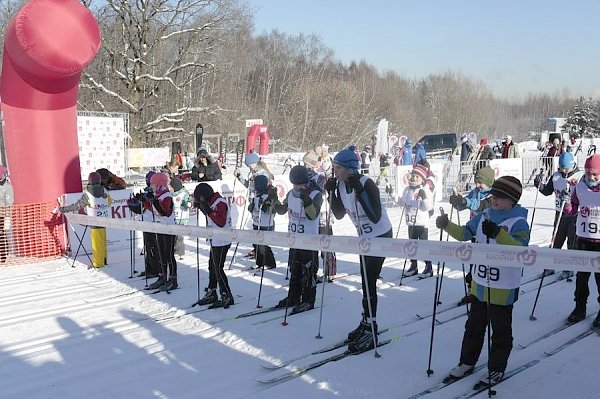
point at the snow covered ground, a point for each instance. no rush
(74, 333)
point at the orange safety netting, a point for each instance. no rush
(30, 233)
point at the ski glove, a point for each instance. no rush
(565, 197)
(331, 184)
(306, 200)
(271, 194)
(422, 194)
(490, 229)
(537, 182)
(441, 222)
(457, 201)
(354, 183)
(204, 207)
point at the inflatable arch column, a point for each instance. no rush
(48, 44)
(262, 133)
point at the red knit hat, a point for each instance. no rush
(421, 171)
(159, 179)
(592, 164)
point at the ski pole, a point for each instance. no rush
(405, 259)
(537, 295)
(435, 298)
(258, 250)
(463, 269)
(325, 275)
(366, 278)
(536, 197)
(441, 277)
(198, 259)
(400, 221)
(287, 300)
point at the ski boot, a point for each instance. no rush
(489, 379)
(458, 372)
(156, 285)
(577, 314)
(365, 341)
(412, 270)
(303, 307)
(225, 302)
(428, 272)
(170, 285)
(209, 297)
(352, 335)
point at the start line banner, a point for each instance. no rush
(436, 251)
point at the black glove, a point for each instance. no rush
(331, 184)
(251, 206)
(354, 183)
(490, 229)
(271, 194)
(457, 201)
(204, 207)
(422, 194)
(441, 222)
(537, 181)
(149, 196)
(305, 193)
(565, 196)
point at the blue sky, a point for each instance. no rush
(514, 47)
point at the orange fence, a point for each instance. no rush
(30, 233)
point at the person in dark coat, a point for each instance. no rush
(485, 154)
(205, 169)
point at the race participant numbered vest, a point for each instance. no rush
(415, 215)
(363, 224)
(561, 184)
(209, 223)
(158, 218)
(297, 220)
(98, 206)
(499, 277)
(588, 217)
(260, 218)
(181, 215)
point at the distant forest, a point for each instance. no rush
(173, 63)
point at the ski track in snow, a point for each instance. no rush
(73, 332)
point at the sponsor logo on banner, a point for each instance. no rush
(595, 262)
(233, 234)
(464, 253)
(325, 242)
(260, 236)
(364, 244)
(290, 239)
(527, 257)
(442, 251)
(575, 261)
(410, 248)
(209, 232)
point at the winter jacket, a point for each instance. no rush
(518, 235)
(510, 151)
(407, 158)
(420, 153)
(466, 149)
(476, 201)
(485, 155)
(209, 172)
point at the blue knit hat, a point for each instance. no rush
(347, 158)
(251, 158)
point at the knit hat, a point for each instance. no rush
(483, 141)
(408, 141)
(311, 158)
(251, 158)
(508, 187)
(485, 176)
(464, 138)
(203, 192)
(260, 184)
(566, 161)
(347, 158)
(94, 178)
(508, 138)
(421, 171)
(299, 175)
(592, 164)
(149, 176)
(202, 153)
(159, 179)
(177, 184)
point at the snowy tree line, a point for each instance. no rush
(173, 63)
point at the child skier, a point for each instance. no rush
(302, 204)
(216, 210)
(262, 208)
(417, 200)
(161, 206)
(358, 195)
(585, 197)
(181, 208)
(495, 289)
(560, 183)
(97, 202)
(478, 199)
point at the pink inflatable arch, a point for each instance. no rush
(261, 132)
(48, 44)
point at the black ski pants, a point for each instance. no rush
(216, 272)
(475, 327)
(166, 253)
(582, 289)
(565, 231)
(264, 254)
(303, 276)
(372, 265)
(419, 233)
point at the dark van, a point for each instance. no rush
(435, 142)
